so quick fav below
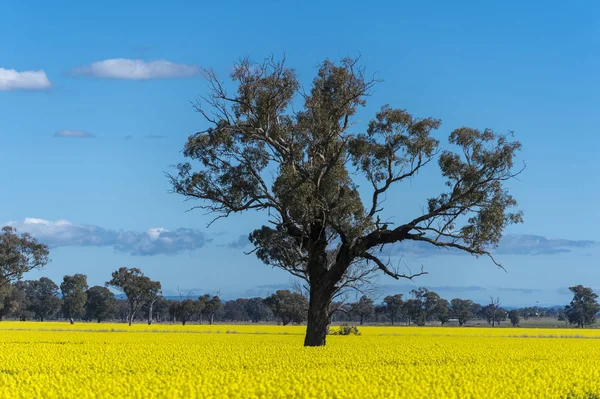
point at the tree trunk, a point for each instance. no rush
(212, 317)
(183, 322)
(318, 316)
(362, 318)
(150, 313)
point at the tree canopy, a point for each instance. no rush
(583, 307)
(74, 296)
(272, 146)
(20, 254)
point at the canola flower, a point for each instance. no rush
(86, 360)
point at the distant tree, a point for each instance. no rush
(257, 310)
(562, 316)
(23, 309)
(394, 307)
(137, 288)
(101, 304)
(363, 308)
(20, 254)
(235, 310)
(462, 310)
(184, 310)
(514, 317)
(583, 307)
(501, 315)
(491, 311)
(290, 307)
(296, 160)
(74, 296)
(210, 306)
(10, 300)
(443, 311)
(477, 311)
(427, 307)
(160, 309)
(153, 293)
(414, 312)
(42, 297)
(380, 312)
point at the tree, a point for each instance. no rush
(160, 309)
(462, 310)
(153, 293)
(294, 163)
(10, 300)
(414, 312)
(515, 317)
(257, 310)
(426, 306)
(363, 308)
(583, 307)
(101, 304)
(185, 310)
(562, 316)
(394, 307)
(289, 306)
(235, 310)
(42, 297)
(20, 254)
(73, 290)
(492, 311)
(137, 288)
(443, 311)
(210, 306)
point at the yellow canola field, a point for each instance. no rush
(86, 360)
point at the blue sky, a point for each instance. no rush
(102, 201)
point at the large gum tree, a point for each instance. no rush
(294, 154)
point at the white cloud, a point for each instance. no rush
(123, 68)
(79, 134)
(154, 241)
(10, 79)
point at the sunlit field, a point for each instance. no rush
(88, 360)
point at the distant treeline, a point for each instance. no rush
(74, 300)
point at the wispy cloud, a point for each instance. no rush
(74, 134)
(128, 137)
(155, 136)
(512, 244)
(527, 244)
(123, 68)
(154, 241)
(519, 290)
(239, 243)
(11, 79)
(441, 289)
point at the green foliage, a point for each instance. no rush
(583, 307)
(363, 308)
(394, 307)
(137, 288)
(101, 304)
(209, 306)
(42, 298)
(514, 317)
(344, 330)
(185, 310)
(298, 165)
(290, 307)
(20, 254)
(462, 309)
(73, 290)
